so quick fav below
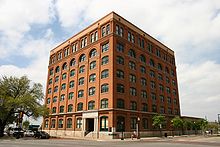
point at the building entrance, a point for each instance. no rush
(90, 124)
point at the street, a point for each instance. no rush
(177, 142)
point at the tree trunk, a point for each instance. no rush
(2, 127)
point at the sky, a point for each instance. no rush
(29, 29)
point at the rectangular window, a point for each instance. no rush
(133, 123)
(79, 123)
(120, 47)
(105, 47)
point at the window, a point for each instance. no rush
(143, 82)
(150, 47)
(50, 81)
(119, 30)
(103, 31)
(71, 84)
(143, 59)
(120, 74)
(104, 123)
(61, 109)
(82, 69)
(53, 122)
(92, 53)
(84, 42)
(161, 98)
(174, 92)
(154, 108)
(51, 71)
(57, 69)
(104, 74)
(92, 77)
(162, 110)
(104, 88)
(132, 38)
(108, 29)
(62, 97)
(94, 37)
(152, 74)
(64, 76)
(75, 47)
(143, 94)
(79, 106)
(69, 123)
(54, 110)
(133, 123)
(168, 90)
(169, 101)
(167, 70)
(46, 123)
(55, 88)
(91, 105)
(169, 111)
(133, 105)
(120, 47)
(151, 62)
(172, 72)
(92, 64)
(63, 86)
(142, 43)
(175, 101)
(132, 65)
(153, 97)
(70, 108)
(120, 60)
(82, 58)
(71, 94)
(159, 67)
(72, 62)
(145, 123)
(81, 81)
(120, 124)
(49, 91)
(80, 93)
(64, 67)
(79, 123)
(105, 47)
(129, 36)
(60, 124)
(48, 100)
(55, 99)
(91, 91)
(161, 87)
(131, 53)
(152, 85)
(142, 69)
(59, 56)
(105, 60)
(167, 80)
(160, 77)
(72, 73)
(56, 78)
(133, 91)
(104, 103)
(132, 78)
(158, 53)
(120, 103)
(174, 83)
(120, 88)
(144, 107)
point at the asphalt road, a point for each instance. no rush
(199, 142)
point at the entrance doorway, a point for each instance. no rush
(90, 124)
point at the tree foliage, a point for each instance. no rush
(25, 124)
(177, 122)
(158, 120)
(19, 95)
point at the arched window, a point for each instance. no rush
(79, 106)
(64, 67)
(120, 123)
(53, 123)
(72, 62)
(120, 103)
(60, 124)
(133, 105)
(142, 59)
(69, 123)
(92, 53)
(91, 91)
(57, 69)
(105, 60)
(70, 108)
(82, 58)
(167, 70)
(160, 66)
(104, 74)
(104, 88)
(80, 93)
(104, 123)
(152, 62)
(61, 109)
(131, 53)
(46, 123)
(91, 105)
(104, 103)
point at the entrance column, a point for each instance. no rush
(96, 124)
(83, 126)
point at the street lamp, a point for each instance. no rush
(137, 126)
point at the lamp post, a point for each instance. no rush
(137, 126)
(122, 136)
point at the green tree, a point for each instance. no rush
(25, 124)
(19, 96)
(177, 123)
(187, 125)
(158, 121)
(203, 123)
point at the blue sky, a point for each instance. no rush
(29, 29)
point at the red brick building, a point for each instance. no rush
(110, 77)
